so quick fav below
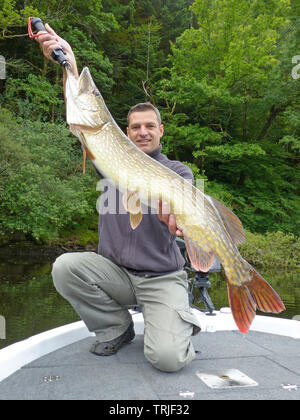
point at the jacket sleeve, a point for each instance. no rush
(184, 171)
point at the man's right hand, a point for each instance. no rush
(49, 41)
(167, 218)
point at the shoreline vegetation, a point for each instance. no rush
(270, 250)
(228, 94)
(48, 205)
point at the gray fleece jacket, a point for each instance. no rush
(148, 250)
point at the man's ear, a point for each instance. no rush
(161, 129)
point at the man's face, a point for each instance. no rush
(144, 130)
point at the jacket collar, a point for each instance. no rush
(156, 152)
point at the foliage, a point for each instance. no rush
(42, 188)
(33, 97)
(231, 108)
(220, 72)
(274, 249)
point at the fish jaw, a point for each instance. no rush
(85, 106)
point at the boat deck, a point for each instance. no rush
(271, 361)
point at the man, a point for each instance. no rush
(132, 267)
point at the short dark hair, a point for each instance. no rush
(144, 106)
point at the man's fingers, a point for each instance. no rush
(50, 30)
(43, 37)
(165, 208)
(172, 224)
(159, 209)
(167, 218)
(163, 211)
(50, 44)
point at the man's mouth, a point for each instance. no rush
(143, 141)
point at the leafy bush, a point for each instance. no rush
(274, 249)
(34, 98)
(42, 188)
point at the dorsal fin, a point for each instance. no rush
(231, 222)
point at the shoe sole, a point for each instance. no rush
(108, 350)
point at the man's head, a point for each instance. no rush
(144, 126)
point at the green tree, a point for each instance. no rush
(228, 101)
(226, 97)
(42, 189)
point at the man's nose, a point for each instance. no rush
(143, 131)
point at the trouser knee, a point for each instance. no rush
(167, 361)
(62, 272)
(167, 358)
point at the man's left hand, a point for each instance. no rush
(167, 218)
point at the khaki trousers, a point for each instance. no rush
(101, 293)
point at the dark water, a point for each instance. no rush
(30, 303)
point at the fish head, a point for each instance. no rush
(84, 104)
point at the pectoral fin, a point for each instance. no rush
(75, 129)
(83, 160)
(86, 152)
(132, 203)
(135, 219)
(201, 260)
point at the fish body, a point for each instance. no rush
(210, 229)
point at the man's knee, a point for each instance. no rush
(167, 357)
(62, 271)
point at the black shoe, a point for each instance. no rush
(108, 348)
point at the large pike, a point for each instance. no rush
(210, 229)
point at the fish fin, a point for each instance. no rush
(88, 152)
(132, 203)
(232, 223)
(200, 259)
(82, 138)
(246, 297)
(266, 299)
(242, 306)
(135, 219)
(83, 160)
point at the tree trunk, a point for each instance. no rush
(274, 111)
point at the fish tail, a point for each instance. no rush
(246, 297)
